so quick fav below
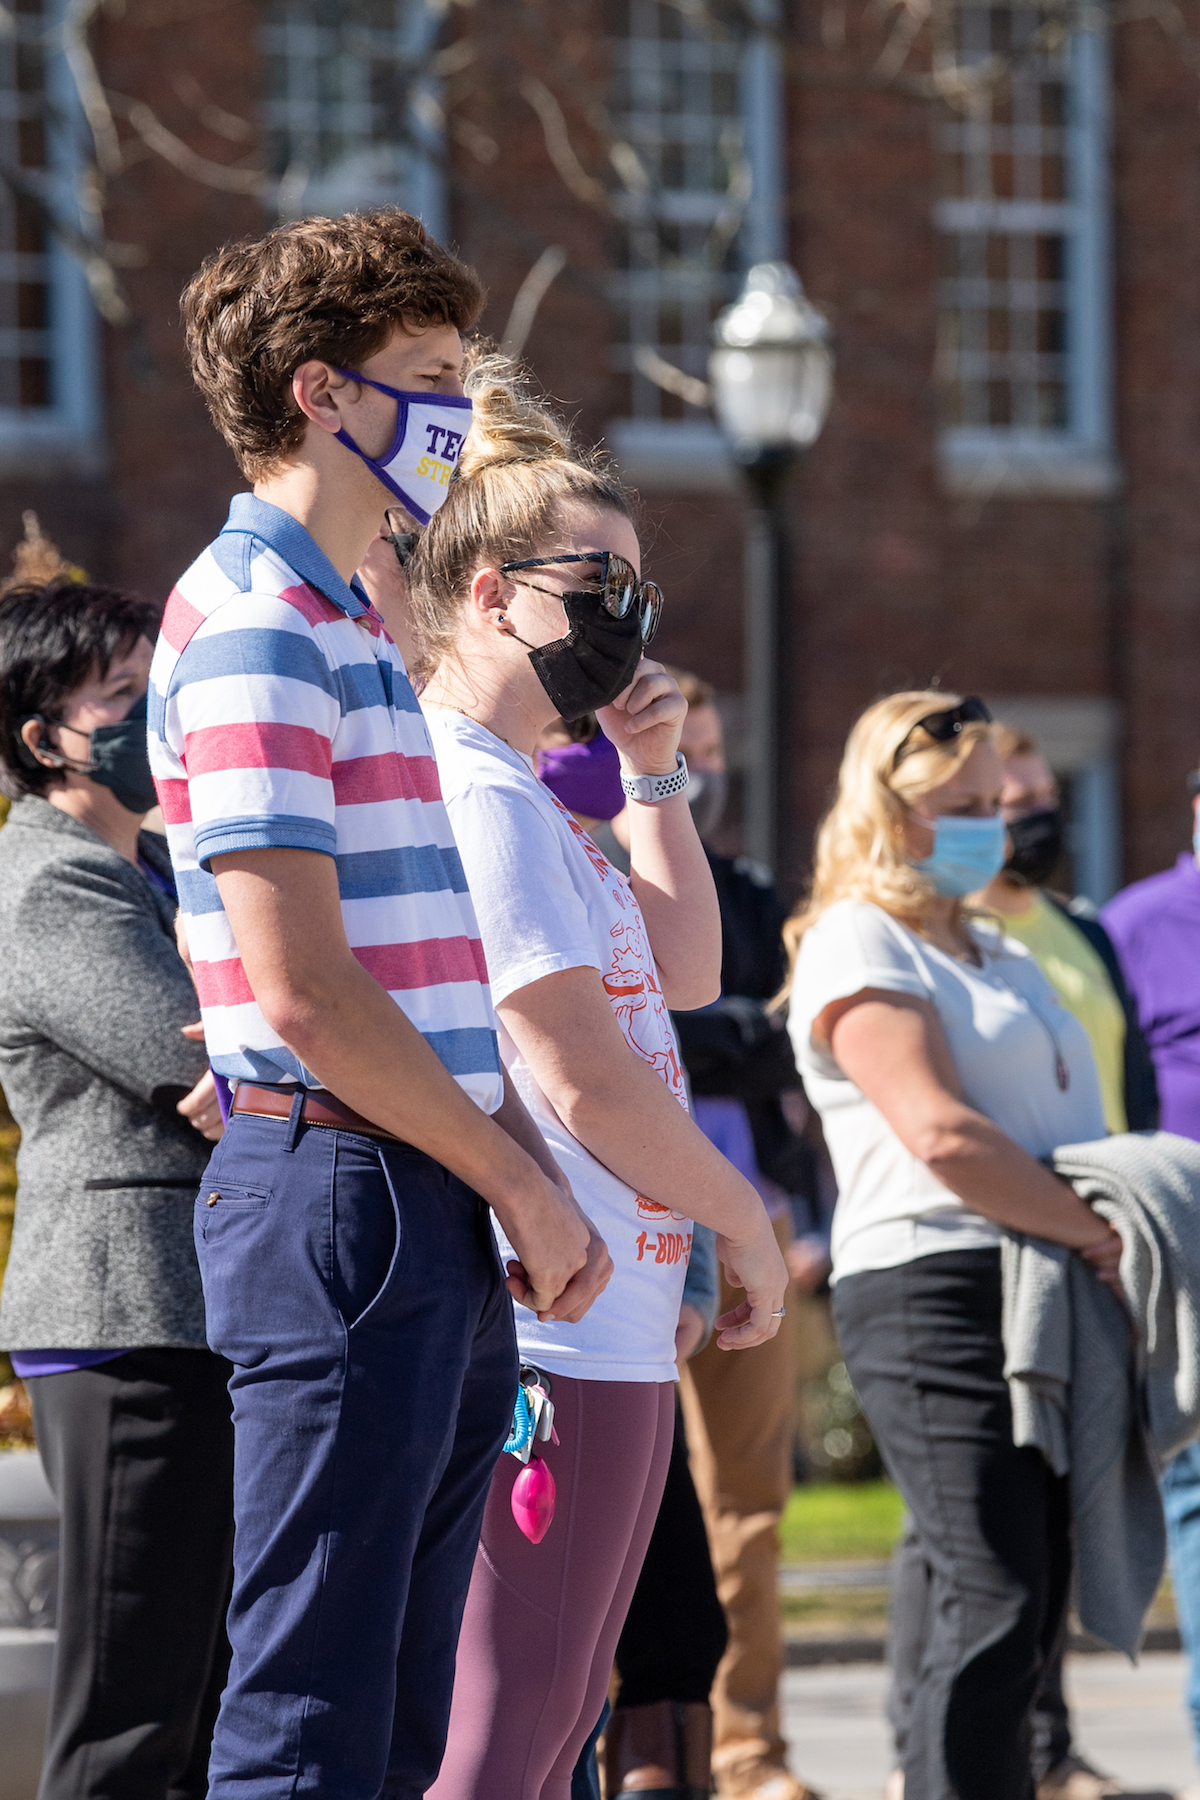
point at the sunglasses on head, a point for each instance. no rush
(620, 589)
(943, 727)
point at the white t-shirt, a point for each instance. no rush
(547, 899)
(1005, 1027)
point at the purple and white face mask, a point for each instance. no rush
(430, 430)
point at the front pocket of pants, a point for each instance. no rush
(227, 1198)
(366, 1234)
(233, 1229)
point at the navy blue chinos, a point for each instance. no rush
(355, 1286)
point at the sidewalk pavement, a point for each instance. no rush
(1130, 1722)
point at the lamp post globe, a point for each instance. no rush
(771, 368)
(771, 381)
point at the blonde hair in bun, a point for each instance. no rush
(518, 469)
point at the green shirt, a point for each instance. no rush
(1083, 986)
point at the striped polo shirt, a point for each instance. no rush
(281, 716)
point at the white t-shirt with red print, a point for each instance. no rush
(547, 899)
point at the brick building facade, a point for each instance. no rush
(1002, 496)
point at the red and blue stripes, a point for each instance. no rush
(281, 716)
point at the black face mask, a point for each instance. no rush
(117, 759)
(1037, 843)
(121, 761)
(708, 790)
(594, 663)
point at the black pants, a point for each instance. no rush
(922, 1345)
(139, 1453)
(908, 1624)
(675, 1632)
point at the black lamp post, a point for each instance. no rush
(771, 375)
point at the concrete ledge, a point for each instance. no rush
(24, 1491)
(26, 1658)
(804, 1652)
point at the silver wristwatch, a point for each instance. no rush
(649, 788)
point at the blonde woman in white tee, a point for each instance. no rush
(943, 1068)
(528, 605)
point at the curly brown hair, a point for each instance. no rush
(330, 290)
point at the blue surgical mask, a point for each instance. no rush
(430, 431)
(966, 854)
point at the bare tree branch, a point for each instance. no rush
(559, 148)
(225, 124)
(226, 176)
(93, 257)
(81, 63)
(665, 375)
(529, 297)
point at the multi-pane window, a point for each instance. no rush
(1023, 330)
(25, 344)
(696, 192)
(348, 105)
(49, 396)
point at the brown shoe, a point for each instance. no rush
(658, 1752)
(1075, 1779)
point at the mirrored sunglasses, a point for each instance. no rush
(620, 590)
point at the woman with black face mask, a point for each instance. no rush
(529, 604)
(1065, 935)
(102, 1311)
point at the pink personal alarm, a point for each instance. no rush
(533, 1422)
(533, 1499)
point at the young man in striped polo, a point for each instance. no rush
(350, 1273)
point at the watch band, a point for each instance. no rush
(649, 788)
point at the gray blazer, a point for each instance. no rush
(92, 998)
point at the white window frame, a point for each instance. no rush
(690, 453)
(373, 170)
(1080, 460)
(66, 435)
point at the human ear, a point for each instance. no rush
(35, 740)
(488, 596)
(314, 386)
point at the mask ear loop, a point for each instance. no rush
(50, 757)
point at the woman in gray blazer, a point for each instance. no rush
(101, 1307)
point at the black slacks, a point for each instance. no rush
(139, 1453)
(675, 1633)
(922, 1345)
(908, 1623)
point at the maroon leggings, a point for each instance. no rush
(542, 1620)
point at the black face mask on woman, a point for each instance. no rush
(117, 759)
(594, 663)
(1038, 841)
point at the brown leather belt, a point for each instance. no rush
(321, 1108)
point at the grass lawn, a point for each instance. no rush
(840, 1521)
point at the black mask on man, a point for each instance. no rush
(1037, 843)
(594, 663)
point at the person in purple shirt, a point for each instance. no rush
(1155, 927)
